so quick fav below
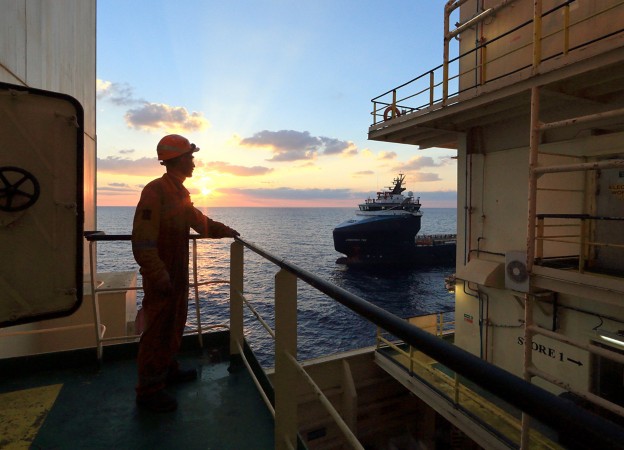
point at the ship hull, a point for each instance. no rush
(389, 240)
(412, 256)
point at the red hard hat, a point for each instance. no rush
(174, 145)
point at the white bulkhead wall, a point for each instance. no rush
(492, 215)
(51, 45)
(495, 215)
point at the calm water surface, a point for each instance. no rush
(302, 236)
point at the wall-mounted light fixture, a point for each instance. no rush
(616, 338)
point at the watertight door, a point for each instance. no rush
(41, 208)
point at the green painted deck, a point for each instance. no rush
(57, 402)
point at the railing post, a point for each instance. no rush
(94, 295)
(584, 249)
(537, 34)
(196, 292)
(236, 303)
(445, 61)
(431, 88)
(539, 253)
(395, 110)
(285, 371)
(566, 29)
(349, 398)
(483, 65)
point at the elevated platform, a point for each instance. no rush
(66, 401)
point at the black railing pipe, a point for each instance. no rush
(571, 421)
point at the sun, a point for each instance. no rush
(203, 184)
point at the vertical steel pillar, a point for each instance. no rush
(537, 33)
(285, 371)
(445, 58)
(236, 301)
(532, 201)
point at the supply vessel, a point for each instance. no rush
(384, 230)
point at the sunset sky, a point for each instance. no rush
(276, 94)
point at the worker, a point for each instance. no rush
(160, 234)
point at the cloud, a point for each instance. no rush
(117, 93)
(141, 166)
(364, 173)
(126, 151)
(158, 116)
(291, 145)
(414, 165)
(286, 193)
(149, 115)
(418, 163)
(387, 155)
(151, 167)
(449, 197)
(116, 189)
(241, 171)
(425, 177)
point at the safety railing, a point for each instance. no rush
(572, 232)
(95, 289)
(438, 324)
(561, 415)
(464, 396)
(444, 84)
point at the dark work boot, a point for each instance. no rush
(159, 401)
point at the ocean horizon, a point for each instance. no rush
(303, 236)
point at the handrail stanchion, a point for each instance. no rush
(236, 302)
(583, 250)
(285, 348)
(94, 295)
(196, 290)
(431, 87)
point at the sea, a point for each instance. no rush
(302, 236)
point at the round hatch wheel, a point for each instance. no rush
(19, 189)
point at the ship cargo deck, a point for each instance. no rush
(68, 401)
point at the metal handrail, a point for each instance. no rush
(560, 414)
(459, 389)
(95, 236)
(443, 101)
(579, 239)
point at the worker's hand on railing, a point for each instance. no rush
(231, 232)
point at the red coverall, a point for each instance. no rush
(160, 243)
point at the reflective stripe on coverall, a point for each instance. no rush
(160, 243)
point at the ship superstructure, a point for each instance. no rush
(533, 104)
